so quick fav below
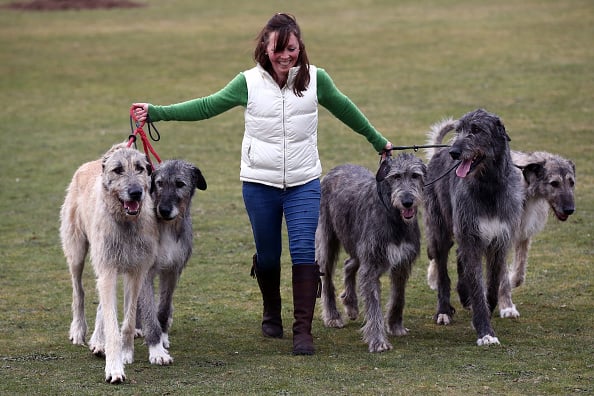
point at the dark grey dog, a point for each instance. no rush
(549, 182)
(479, 206)
(374, 219)
(172, 188)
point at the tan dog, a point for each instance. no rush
(108, 209)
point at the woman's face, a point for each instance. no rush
(283, 60)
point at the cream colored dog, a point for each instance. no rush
(108, 209)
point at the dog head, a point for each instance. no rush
(400, 184)
(126, 177)
(173, 185)
(480, 137)
(550, 177)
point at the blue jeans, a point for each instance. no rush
(266, 205)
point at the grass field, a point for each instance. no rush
(68, 78)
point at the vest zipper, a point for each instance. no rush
(284, 140)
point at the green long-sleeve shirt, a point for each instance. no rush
(236, 94)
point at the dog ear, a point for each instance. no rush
(199, 180)
(384, 169)
(533, 170)
(149, 166)
(503, 130)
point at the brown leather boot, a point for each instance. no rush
(269, 282)
(306, 288)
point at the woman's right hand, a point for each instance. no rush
(140, 111)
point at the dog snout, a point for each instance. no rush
(408, 201)
(455, 153)
(165, 211)
(135, 193)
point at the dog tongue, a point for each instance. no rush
(463, 169)
(132, 206)
(408, 213)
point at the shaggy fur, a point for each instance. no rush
(375, 220)
(479, 206)
(173, 185)
(549, 182)
(108, 209)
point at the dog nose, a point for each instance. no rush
(568, 211)
(455, 153)
(407, 201)
(135, 193)
(165, 211)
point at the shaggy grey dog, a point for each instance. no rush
(374, 219)
(173, 185)
(108, 210)
(479, 206)
(549, 182)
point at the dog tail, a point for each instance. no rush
(437, 133)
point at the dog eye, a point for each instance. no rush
(180, 184)
(159, 183)
(415, 176)
(119, 170)
(397, 176)
(555, 184)
(571, 183)
(475, 130)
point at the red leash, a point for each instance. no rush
(146, 144)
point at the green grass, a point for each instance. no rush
(67, 80)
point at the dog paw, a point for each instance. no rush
(510, 312)
(336, 323)
(487, 340)
(114, 373)
(159, 355)
(127, 355)
(97, 350)
(77, 333)
(138, 333)
(115, 377)
(379, 346)
(443, 319)
(351, 312)
(398, 331)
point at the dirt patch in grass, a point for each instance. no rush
(57, 5)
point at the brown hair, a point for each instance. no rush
(284, 25)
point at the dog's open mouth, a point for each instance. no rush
(467, 165)
(132, 208)
(408, 213)
(560, 215)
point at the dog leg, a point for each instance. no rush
(167, 284)
(151, 327)
(518, 268)
(481, 313)
(97, 342)
(114, 364)
(349, 295)
(374, 333)
(395, 307)
(499, 288)
(132, 284)
(445, 311)
(78, 327)
(330, 314)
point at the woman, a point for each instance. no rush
(280, 165)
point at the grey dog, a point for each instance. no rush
(479, 207)
(549, 182)
(108, 211)
(374, 219)
(173, 185)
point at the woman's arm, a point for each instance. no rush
(232, 95)
(346, 111)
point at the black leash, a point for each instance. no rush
(388, 156)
